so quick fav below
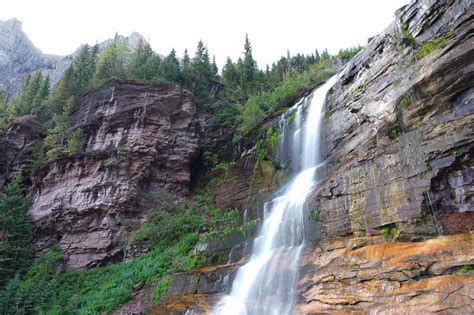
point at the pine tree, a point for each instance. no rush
(201, 73)
(56, 137)
(75, 142)
(170, 69)
(15, 230)
(215, 69)
(5, 112)
(84, 69)
(186, 70)
(112, 61)
(249, 67)
(144, 63)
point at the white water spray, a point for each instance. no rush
(266, 283)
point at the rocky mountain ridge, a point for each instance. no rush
(19, 57)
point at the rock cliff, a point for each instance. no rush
(16, 144)
(140, 139)
(398, 132)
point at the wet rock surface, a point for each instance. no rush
(360, 275)
(140, 139)
(398, 132)
(419, 277)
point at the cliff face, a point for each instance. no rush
(139, 140)
(16, 144)
(398, 132)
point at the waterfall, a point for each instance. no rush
(266, 283)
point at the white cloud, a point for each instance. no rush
(59, 27)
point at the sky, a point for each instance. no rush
(300, 26)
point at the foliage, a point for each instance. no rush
(389, 231)
(112, 61)
(144, 63)
(430, 46)
(76, 142)
(467, 269)
(15, 230)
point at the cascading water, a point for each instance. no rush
(266, 283)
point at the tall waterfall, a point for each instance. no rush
(266, 283)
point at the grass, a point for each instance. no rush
(429, 46)
(170, 234)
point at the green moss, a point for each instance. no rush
(327, 115)
(406, 35)
(389, 231)
(466, 269)
(404, 102)
(395, 131)
(111, 162)
(429, 46)
(316, 215)
(361, 88)
(456, 151)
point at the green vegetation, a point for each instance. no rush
(429, 46)
(170, 235)
(404, 102)
(467, 269)
(15, 231)
(389, 231)
(407, 37)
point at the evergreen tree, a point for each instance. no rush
(5, 112)
(33, 93)
(75, 142)
(56, 138)
(65, 89)
(215, 69)
(170, 69)
(112, 61)
(84, 69)
(186, 69)
(249, 67)
(201, 73)
(144, 63)
(15, 230)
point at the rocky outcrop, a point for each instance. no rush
(361, 276)
(140, 139)
(420, 277)
(398, 131)
(16, 144)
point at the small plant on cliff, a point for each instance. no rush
(389, 231)
(467, 269)
(76, 142)
(430, 46)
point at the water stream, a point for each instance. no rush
(266, 283)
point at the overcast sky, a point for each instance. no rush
(60, 26)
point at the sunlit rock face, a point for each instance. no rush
(140, 139)
(365, 276)
(398, 134)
